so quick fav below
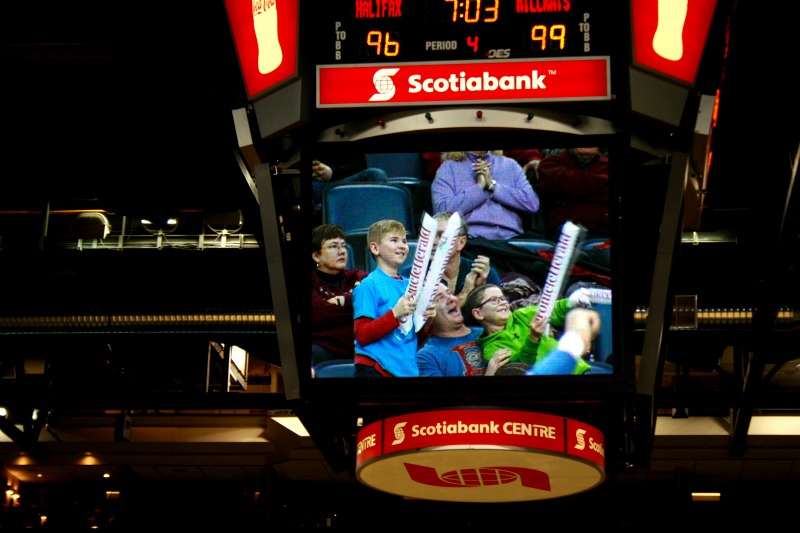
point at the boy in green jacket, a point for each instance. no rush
(517, 331)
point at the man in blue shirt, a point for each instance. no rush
(452, 350)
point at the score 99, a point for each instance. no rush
(557, 32)
(386, 45)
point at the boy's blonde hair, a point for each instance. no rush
(378, 230)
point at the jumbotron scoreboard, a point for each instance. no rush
(388, 31)
(462, 51)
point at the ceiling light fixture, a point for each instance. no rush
(160, 227)
(224, 224)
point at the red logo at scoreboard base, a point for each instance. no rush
(477, 477)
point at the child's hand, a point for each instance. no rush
(498, 360)
(538, 327)
(404, 306)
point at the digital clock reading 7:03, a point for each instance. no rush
(389, 31)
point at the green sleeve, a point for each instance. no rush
(559, 314)
(528, 352)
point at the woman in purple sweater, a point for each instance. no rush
(489, 190)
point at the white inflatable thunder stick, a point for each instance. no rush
(419, 266)
(443, 252)
(560, 267)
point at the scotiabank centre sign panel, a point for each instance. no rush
(399, 84)
(480, 455)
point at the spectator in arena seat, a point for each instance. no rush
(519, 331)
(335, 169)
(332, 287)
(461, 274)
(488, 189)
(574, 186)
(380, 303)
(452, 349)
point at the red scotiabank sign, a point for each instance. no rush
(399, 84)
(480, 455)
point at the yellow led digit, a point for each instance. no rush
(539, 33)
(391, 48)
(557, 33)
(455, 9)
(494, 9)
(477, 14)
(375, 38)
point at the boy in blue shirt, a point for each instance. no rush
(380, 304)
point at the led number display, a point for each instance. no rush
(372, 31)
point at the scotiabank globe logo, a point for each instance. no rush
(580, 441)
(384, 84)
(399, 434)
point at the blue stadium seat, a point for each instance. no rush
(593, 243)
(603, 345)
(336, 368)
(533, 245)
(420, 190)
(355, 206)
(400, 164)
(357, 240)
(351, 261)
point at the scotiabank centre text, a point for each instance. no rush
(508, 428)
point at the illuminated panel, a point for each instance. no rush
(392, 31)
(669, 35)
(466, 82)
(265, 35)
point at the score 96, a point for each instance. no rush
(541, 34)
(386, 44)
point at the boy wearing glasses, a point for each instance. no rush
(518, 331)
(380, 303)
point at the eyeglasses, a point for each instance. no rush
(494, 300)
(336, 246)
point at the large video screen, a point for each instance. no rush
(462, 270)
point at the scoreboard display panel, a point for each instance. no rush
(402, 53)
(570, 261)
(390, 31)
